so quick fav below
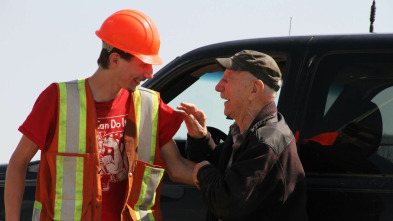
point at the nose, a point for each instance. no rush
(148, 73)
(219, 87)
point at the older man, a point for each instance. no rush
(256, 173)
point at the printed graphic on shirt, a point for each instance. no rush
(113, 159)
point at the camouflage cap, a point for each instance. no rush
(261, 65)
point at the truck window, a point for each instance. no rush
(348, 124)
(206, 98)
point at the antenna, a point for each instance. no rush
(372, 17)
(290, 26)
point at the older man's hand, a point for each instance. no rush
(195, 120)
(196, 169)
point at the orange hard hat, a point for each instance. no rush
(133, 32)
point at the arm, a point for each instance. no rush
(202, 149)
(199, 142)
(15, 178)
(179, 169)
(237, 191)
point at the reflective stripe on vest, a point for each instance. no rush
(146, 102)
(37, 210)
(72, 140)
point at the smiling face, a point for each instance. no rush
(131, 73)
(235, 87)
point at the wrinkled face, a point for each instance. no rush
(235, 87)
(131, 73)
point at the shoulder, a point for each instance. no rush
(149, 91)
(52, 87)
(49, 94)
(275, 133)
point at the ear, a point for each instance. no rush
(257, 88)
(114, 59)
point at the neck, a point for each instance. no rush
(103, 86)
(244, 121)
(251, 113)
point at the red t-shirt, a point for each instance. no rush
(40, 127)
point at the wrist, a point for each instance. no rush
(199, 137)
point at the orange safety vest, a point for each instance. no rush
(68, 181)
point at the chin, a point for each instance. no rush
(227, 114)
(131, 88)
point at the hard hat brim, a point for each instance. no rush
(150, 59)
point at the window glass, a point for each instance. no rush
(349, 120)
(384, 156)
(334, 91)
(203, 94)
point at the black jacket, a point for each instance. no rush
(265, 181)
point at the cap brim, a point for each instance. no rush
(150, 59)
(225, 62)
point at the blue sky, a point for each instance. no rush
(45, 41)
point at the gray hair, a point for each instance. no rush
(270, 92)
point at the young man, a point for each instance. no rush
(256, 173)
(104, 141)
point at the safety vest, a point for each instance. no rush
(68, 180)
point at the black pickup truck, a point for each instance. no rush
(337, 97)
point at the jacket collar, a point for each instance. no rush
(266, 113)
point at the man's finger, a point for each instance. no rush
(188, 107)
(183, 114)
(192, 121)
